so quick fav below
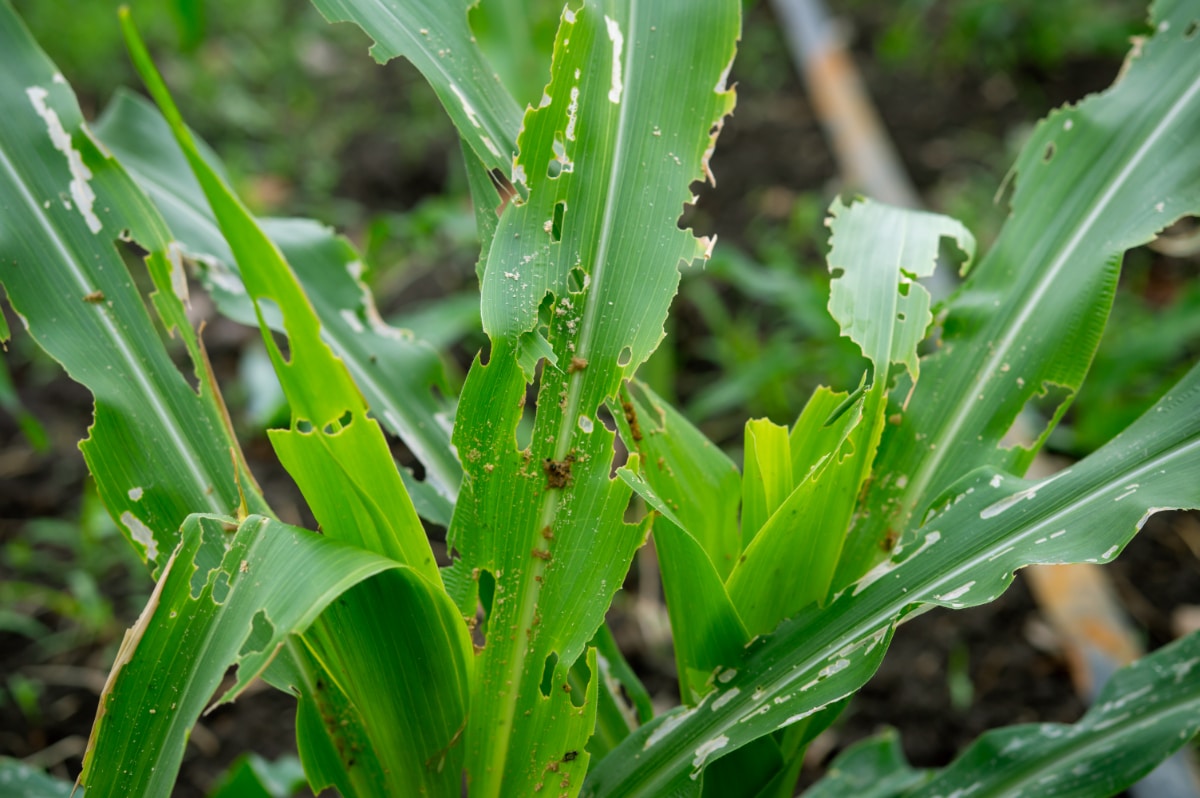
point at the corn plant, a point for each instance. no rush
(784, 581)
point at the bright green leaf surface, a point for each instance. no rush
(229, 595)
(768, 480)
(159, 450)
(395, 372)
(706, 630)
(690, 473)
(600, 239)
(1093, 180)
(791, 560)
(336, 453)
(435, 37)
(964, 555)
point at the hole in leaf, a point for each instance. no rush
(625, 358)
(1048, 155)
(901, 316)
(837, 273)
(560, 210)
(1190, 31)
(577, 280)
(548, 673)
(487, 591)
(577, 681)
(303, 426)
(605, 417)
(261, 631)
(553, 169)
(1042, 409)
(343, 421)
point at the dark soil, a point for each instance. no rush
(949, 675)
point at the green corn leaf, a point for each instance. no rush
(966, 554)
(791, 560)
(878, 304)
(873, 768)
(251, 776)
(395, 371)
(336, 453)
(585, 268)
(159, 449)
(694, 487)
(705, 627)
(691, 474)
(1146, 711)
(435, 36)
(1094, 180)
(768, 481)
(25, 781)
(229, 595)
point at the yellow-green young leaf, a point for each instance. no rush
(1094, 180)
(396, 372)
(792, 559)
(435, 36)
(229, 595)
(768, 481)
(336, 453)
(158, 449)
(587, 266)
(965, 555)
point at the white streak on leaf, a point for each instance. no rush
(958, 592)
(468, 109)
(725, 698)
(178, 275)
(572, 111)
(81, 191)
(141, 533)
(618, 42)
(705, 751)
(351, 319)
(670, 723)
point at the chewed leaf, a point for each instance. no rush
(159, 449)
(241, 590)
(334, 449)
(1093, 180)
(587, 264)
(436, 38)
(877, 255)
(965, 555)
(606, 246)
(395, 371)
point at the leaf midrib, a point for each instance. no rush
(133, 366)
(999, 354)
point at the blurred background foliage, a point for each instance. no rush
(309, 125)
